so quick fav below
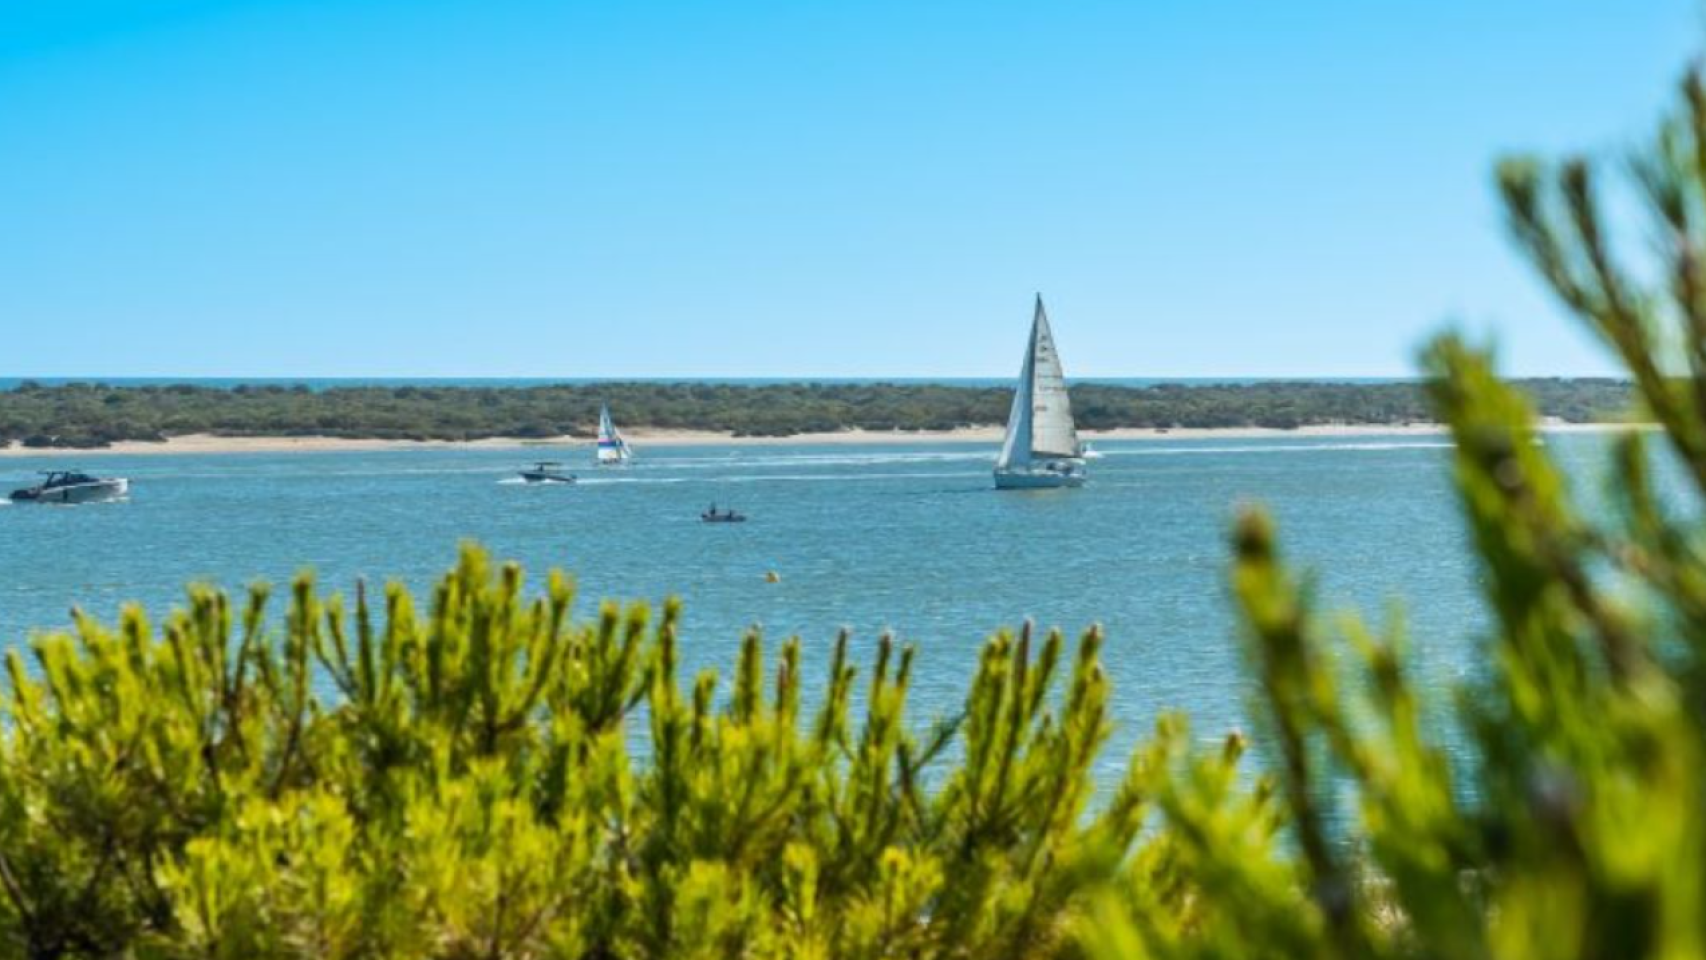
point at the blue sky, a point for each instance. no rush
(568, 188)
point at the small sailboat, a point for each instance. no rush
(1042, 449)
(613, 451)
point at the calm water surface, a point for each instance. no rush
(904, 538)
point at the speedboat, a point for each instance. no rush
(714, 515)
(547, 471)
(69, 486)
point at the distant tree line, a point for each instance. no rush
(95, 414)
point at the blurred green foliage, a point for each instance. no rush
(1572, 825)
(94, 415)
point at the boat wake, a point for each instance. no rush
(625, 481)
(522, 482)
(822, 459)
(771, 477)
(282, 473)
(1278, 448)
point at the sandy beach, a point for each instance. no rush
(201, 443)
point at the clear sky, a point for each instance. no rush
(636, 188)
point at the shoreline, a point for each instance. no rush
(190, 444)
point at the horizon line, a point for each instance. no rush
(61, 379)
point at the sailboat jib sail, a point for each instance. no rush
(1016, 448)
(1042, 447)
(612, 449)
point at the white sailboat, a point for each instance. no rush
(613, 451)
(1042, 449)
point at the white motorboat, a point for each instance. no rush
(70, 486)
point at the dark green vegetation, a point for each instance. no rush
(464, 789)
(87, 415)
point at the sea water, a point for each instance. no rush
(909, 539)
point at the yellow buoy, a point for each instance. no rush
(772, 577)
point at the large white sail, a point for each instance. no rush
(1039, 427)
(612, 449)
(1053, 435)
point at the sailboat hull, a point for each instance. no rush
(1039, 479)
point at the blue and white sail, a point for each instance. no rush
(1042, 447)
(613, 451)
